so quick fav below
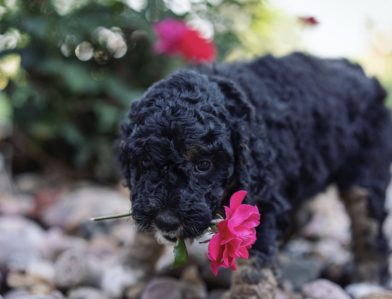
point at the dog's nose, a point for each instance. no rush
(167, 221)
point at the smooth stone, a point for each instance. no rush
(332, 251)
(358, 290)
(28, 182)
(75, 208)
(160, 288)
(135, 291)
(383, 295)
(123, 233)
(16, 204)
(23, 294)
(41, 270)
(86, 293)
(281, 295)
(56, 242)
(117, 279)
(217, 294)
(45, 198)
(17, 294)
(328, 218)
(324, 289)
(71, 269)
(20, 242)
(299, 270)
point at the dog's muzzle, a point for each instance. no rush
(168, 226)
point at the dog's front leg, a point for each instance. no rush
(139, 261)
(144, 252)
(252, 282)
(255, 278)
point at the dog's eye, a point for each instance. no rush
(203, 166)
(145, 163)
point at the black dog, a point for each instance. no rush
(281, 128)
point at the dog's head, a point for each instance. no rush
(179, 154)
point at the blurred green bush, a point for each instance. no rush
(69, 69)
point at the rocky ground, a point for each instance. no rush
(49, 249)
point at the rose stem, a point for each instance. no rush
(110, 217)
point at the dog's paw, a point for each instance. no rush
(249, 282)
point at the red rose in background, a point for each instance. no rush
(309, 20)
(176, 38)
(236, 234)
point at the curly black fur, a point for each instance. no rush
(281, 128)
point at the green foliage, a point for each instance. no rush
(82, 62)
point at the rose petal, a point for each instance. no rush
(246, 216)
(214, 248)
(236, 199)
(214, 267)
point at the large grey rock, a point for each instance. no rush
(323, 289)
(74, 209)
(299, 270)
(20, 242)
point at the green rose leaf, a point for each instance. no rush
(180, 253)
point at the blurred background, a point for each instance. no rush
(69, 70)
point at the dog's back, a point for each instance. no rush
(326, 122)
(322, 115)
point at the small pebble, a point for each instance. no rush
(86, 293)
(117, 279)
(324, 289)
(71, 269)
(217, 294)
(160, 288)
(383, 295)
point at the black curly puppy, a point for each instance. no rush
(281, 128)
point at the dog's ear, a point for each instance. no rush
(122, 144)
(241, 115)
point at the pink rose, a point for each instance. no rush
(236, 234)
